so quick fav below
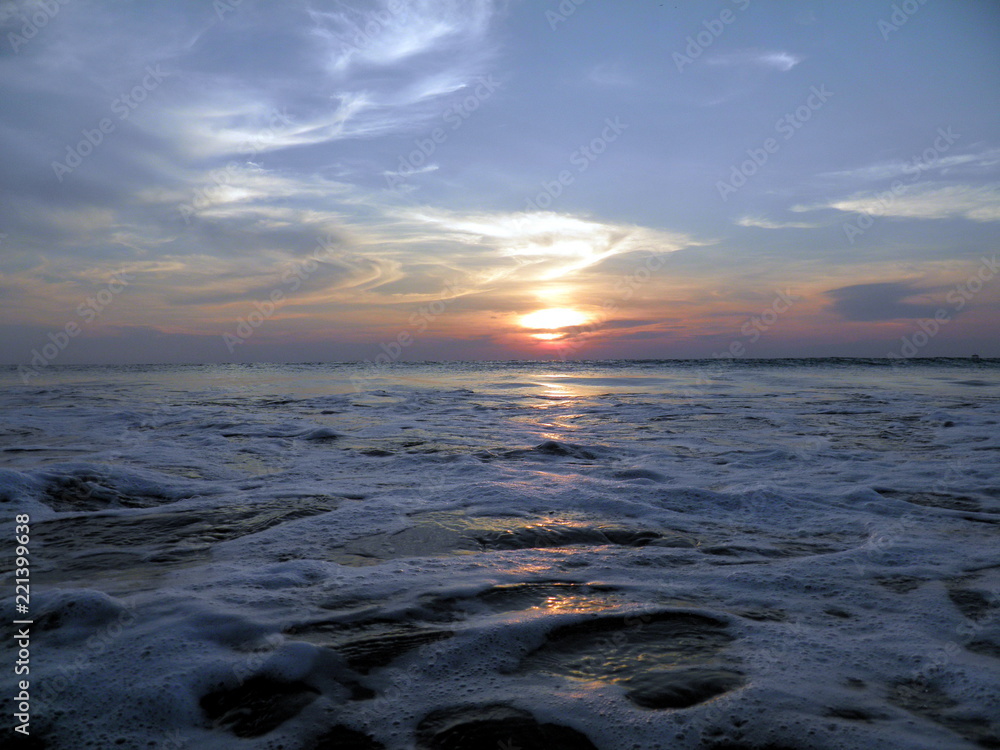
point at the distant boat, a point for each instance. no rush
(976, 356)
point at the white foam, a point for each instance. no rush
(830, 515)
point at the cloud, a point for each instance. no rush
(375, 69)
(880, 301)
(405, 175)
(545, 245)
(776, 60)
(975, 203)
(391, 32)
(761, 223)
(970, 163)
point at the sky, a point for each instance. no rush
(353, 180)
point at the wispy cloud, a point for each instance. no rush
(547, 245)
(392, 31)
(775, 60)
(411, 172)
(975, 203)
(762, 223)
(981, 162)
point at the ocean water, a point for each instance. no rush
(616, 555)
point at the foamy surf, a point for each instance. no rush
(647, 555)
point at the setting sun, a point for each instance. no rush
(552, 318)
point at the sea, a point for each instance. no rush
(621, 555)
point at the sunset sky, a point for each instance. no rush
(468, 179)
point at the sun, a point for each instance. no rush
(552, 319)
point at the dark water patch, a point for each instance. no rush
(320, 435)
(806, 549)
(671, 659)
(257, 706)
(440, 447)
(899, 584)
(343, 737)
(494, 726)
(736, 550)
(874, 432)
(43, 449)
(547, 450)
(846, 412)
(436, 534)
(935, 500)
(680, 688)
(18, 741)
(556, 535)
(12, 438)
(972, 603)
(367, 645)
(367, 653)
(928, 700)
(632, 475)
(90, 491)
(854, 713)
(984, 647)
(776, 549)
(125, 545)
(837, 612)
(763, 614)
